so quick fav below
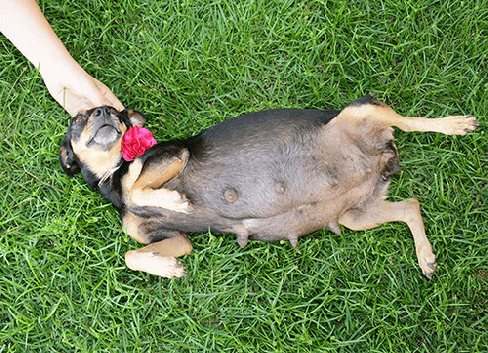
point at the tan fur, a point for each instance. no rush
(146, 189)
(130, 225)
(371, 120)
(130, 178)
(98, 160)
(160, 258)
(407, 211)
(383, 116)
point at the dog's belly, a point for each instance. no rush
(289, 225)
(254, 187)
(308, 218)
(282, 210)
(259, 184)
(279, 181)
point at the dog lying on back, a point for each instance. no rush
(272, 175)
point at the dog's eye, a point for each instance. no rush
(79, 119)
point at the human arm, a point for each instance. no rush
(23, 23)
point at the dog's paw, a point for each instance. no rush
(178, 203)
(150, 262)
(163, 198)
(459, 125)
(427, 262)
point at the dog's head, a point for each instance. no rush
(92, 145)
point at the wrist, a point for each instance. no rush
(61, 71)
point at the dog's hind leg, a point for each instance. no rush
(407, 211)
(160, 258)
(381, 116)
(450, 125)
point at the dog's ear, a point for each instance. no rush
(67, 158)
(133, 117)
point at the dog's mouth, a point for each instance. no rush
(105, 135)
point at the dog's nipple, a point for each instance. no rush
(334, 227)
(280, 187)
(231, 195)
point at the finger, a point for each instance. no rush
(109, 96)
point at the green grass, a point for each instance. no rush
(190, 64)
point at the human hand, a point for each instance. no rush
(75, 90)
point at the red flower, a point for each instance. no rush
(136, 141)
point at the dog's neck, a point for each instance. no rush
(95, 175)
(109, 185)
(108, 174)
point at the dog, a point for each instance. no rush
(271, 175)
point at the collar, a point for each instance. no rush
(108, 174)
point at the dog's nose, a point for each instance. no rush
(101, 112)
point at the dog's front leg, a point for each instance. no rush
(407, 211)
(170, 200)
(145, 183)
(160, 258)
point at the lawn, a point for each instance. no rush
(189, 64)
